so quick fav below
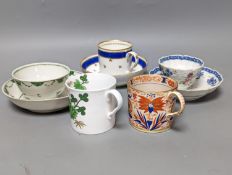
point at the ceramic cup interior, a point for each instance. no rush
(40, 72)
(181, 62)
(115, 45)
(94, 82)
(152, 83)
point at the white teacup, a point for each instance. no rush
(41, 80)
(115, 57)
(93, 102)
(183, 68)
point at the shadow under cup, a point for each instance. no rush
(151, 100)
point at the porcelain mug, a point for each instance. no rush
(184, 69)
(151, 101)
(93, 102)
(115, 57)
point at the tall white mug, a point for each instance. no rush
(93, 102)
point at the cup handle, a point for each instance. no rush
(118, 97)
(129, 56)
(182, 103)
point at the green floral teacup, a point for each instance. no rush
(41, 80)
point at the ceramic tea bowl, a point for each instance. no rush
(151, 101)
(41, 80)
(182, 68)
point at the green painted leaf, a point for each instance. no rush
(73, 111)
(78, 85)
(81, 110)
(37, 83)
(60, 80)
(84, 78)
(84, 97)
(18, 83)
(74, 100)
(71, 73)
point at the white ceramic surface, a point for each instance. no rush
(42, 80)
(207, 82)
(91, 64)
(93, 102)
(182, 68)
(115, 57)
(11, 90)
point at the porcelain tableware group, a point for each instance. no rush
(92, 96)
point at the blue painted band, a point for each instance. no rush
(94, 60)
(181, 57)
(112, 55)
(89, 62)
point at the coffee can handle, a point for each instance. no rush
(182, 103)
(118, 98)
(129, 56)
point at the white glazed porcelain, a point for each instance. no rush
(40, 81)
(91, 64)
(115, 57)
(182, 68)
(93, 102)
(11, 90)
(207, 82)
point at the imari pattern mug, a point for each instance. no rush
(93, 102)
(115, 57)
(151, 100)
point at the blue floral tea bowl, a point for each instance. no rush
(184, 69)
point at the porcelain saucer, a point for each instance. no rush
(90, 64)
(208, 81)
(11, 90)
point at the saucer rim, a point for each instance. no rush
(192, 90)
(26, 100)
(96, 55)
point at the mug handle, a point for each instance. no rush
(118, 97)
(182, 103)
(129, 56)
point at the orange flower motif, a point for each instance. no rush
(134, 95)
(171, 83)
(150, 106)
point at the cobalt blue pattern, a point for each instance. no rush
(112, 55)
(181, 57)
(212, 81)
(155, 71)
(89, 62)
(211, 71)
(167, 72)
(94, 59)
(200, 74)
